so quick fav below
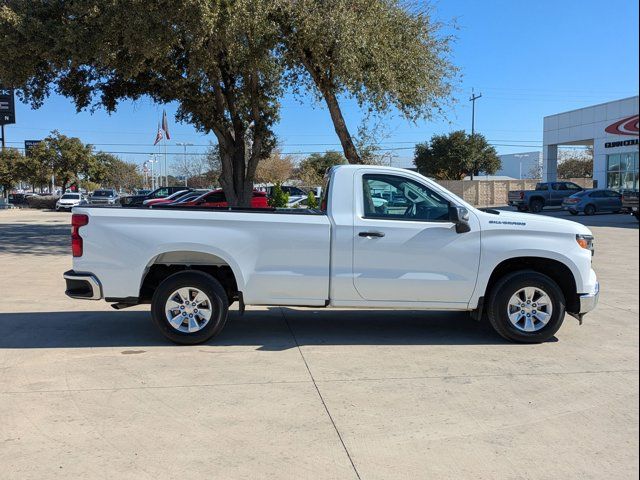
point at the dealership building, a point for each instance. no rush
(610, 128)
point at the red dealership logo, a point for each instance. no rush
(626, 126)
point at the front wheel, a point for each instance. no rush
(190, 307)
(590, 210)
(526, 307)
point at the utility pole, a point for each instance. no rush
(184, 159)
(473, 99)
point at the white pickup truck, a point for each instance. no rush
(383, 238)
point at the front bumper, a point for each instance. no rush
(85, 286)
(589, 301)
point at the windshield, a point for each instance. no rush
(70, 196)
(103, 193)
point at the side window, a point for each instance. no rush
(612, 194)
(597, 194)
(573, 186)
(392, 197)
(162, 193)
(559, 186)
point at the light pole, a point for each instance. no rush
(473, 99)
(152, 160)
(184, 158)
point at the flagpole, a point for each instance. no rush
(166, 172)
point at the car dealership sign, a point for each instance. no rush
(625, 126)
(7, 106)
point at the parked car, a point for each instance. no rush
(593, 201)
(550, 194)
(70, 200)
(137, 200)
(18, 198)
(216, 198)
(630, 202)
(171, 198)
(190, 196)
(440, 252)
(104, 197)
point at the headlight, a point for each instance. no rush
(586, 242)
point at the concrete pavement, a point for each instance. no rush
(86, 391)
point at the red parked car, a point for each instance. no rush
(217, 198)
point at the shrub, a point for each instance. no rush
(36, 201)
(312, 202)
(278, 198)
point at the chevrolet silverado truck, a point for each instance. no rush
(430, 251)
(550, 194)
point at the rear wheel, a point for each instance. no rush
(190, 307)
(536, 206)
(526, 307)
(590, 210)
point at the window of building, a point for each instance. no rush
(622, 171)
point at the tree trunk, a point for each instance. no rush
(237, 187)
(340, 126)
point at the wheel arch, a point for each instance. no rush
(169, 262)
(558, 271)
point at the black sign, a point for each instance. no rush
(29, 145)
(621, 143)
(7, 106)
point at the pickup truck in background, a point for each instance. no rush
(427, 249)
(550, 194)
(630, 203)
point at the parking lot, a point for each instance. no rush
(288, 393)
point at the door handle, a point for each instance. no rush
(371, 234)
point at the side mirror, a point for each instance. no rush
(460, 217)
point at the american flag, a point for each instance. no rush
(159, 135)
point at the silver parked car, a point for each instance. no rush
(593, 201)
(104, 197)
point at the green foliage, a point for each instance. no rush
(278, 198)
(575, 164)
(111, 171)
(311, 170)
(312, 202)
(455, 156)
(227, 63)
(66, 157)
(385, 54)
(9, 160)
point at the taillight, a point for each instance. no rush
(77, 221)
(521, 195)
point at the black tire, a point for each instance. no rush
(522, 208)
(573, 212)
(208, 285)
(590, 209)
(536, 206)
(506, 287)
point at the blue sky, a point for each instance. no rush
(528, 59)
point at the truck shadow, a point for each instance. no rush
(267, 330)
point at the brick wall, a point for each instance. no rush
(493, 193)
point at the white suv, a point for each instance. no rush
(69, 200)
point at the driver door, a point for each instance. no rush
(405, 248)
